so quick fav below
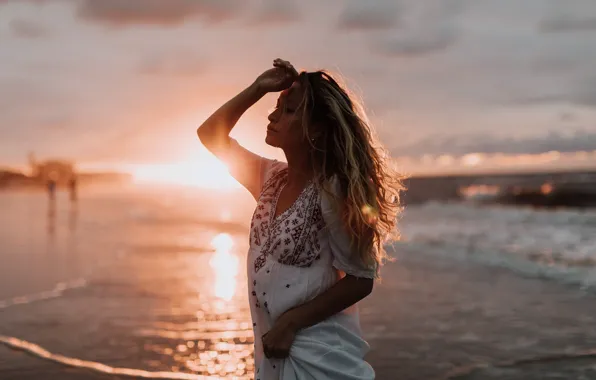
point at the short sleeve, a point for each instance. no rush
(247, 167)
(345, 256)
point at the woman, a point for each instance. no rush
(316, 237)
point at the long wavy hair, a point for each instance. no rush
(344, 145)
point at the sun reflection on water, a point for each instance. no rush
(225, 266)
(205, 327)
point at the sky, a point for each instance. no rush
(128, 81)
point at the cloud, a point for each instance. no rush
(579, 140)
(156, 12)
(467, 69)
(426, 27)
(563, 24)
(417, 44)
(569, 16)
(37, 2)
(579, 92)
(174, 64)
(276, 11)
(368, 15)
(26, 28)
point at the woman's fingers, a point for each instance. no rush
(276, 353)
(282, 354)
(278, 62)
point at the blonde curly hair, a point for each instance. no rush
(344, 146)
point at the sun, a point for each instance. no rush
(205, 172)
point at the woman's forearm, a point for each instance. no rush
(215, 130)
(345, 293)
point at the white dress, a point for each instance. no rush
(293, 258)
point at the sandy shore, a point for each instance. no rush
(435, 318)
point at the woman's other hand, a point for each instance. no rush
(278, 341)
(279, 78)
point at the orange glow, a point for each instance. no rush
(225, 266)
(474, 191)
(472, 159)
(546, 188)
(496, 162)
(204, 172)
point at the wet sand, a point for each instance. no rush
(437, 318)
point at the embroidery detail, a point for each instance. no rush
(306, 223)
(292, 237)
(257, 237)
(260, 234)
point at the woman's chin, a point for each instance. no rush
(271, 141)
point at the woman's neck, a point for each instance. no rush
(299, 169)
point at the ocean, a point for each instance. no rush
(149, 282)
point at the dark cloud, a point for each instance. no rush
(569, 16)
(367, 15)
(26, 28)
(422, 43)
(156, 12)
(562, 24)
(576, 93)
(581, 140)
(567, 117)
(427, 26)
(276, 11)
(37, 2)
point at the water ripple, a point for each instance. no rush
(40, 352)
(58, 291)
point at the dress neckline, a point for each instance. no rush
(280, 187)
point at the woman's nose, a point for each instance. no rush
(272, 116)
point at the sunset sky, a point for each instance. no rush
(110, 82)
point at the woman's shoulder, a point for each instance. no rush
(277, 166)
(274, 172)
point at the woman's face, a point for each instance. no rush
(285, 122)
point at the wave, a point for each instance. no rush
(555, 244)
(242, 335)
(515, 364)
(582, 276)
(58, 291)
(40, 352)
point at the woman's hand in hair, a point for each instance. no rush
(279, 78)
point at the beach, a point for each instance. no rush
(145, 284)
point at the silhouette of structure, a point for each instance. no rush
(59, 172)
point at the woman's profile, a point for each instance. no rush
(317, 233)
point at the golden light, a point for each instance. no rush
(225, 266)
(370, 213)
(445, 160)
(206, 172)
(473, 191)
(546, 188)
(472, 159)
